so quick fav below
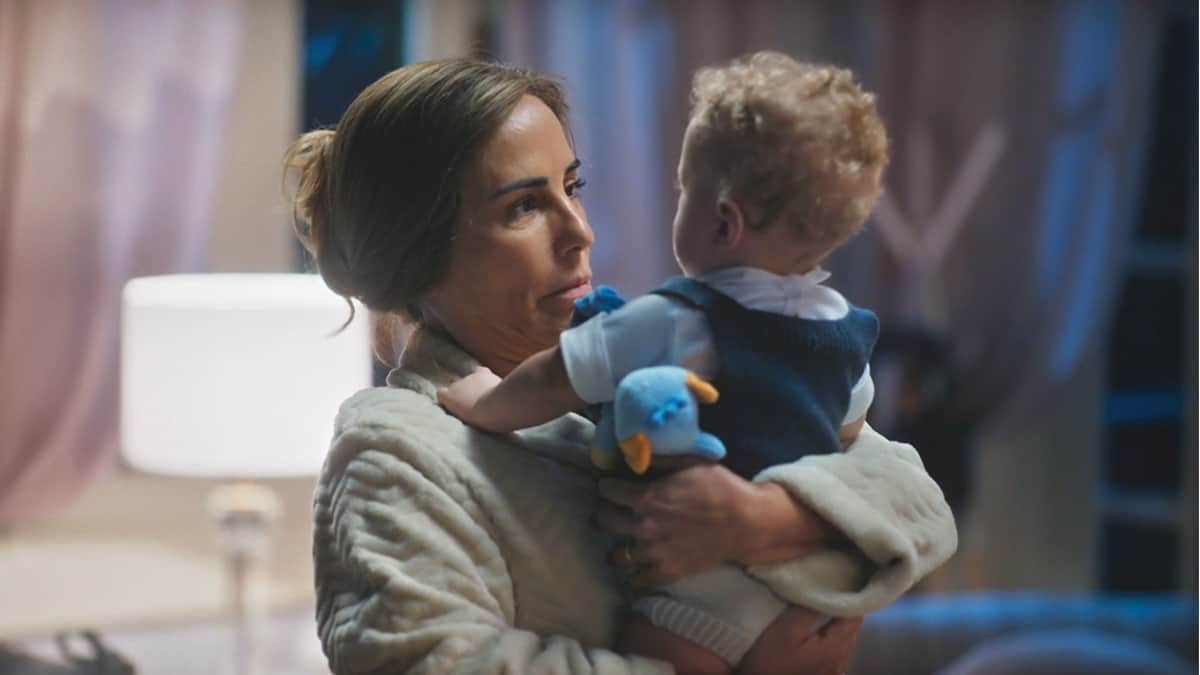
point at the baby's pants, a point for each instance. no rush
(723, 610)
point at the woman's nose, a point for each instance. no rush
(575, 233)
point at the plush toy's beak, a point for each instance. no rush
(636, 449)
(703, 391)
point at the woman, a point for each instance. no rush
(449, 196)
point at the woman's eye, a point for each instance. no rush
(575, 186)
(523, 207)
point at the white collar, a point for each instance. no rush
(755, 275)
(799, 295)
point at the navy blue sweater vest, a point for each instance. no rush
(784, 382)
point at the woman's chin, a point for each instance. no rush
(546, 329)
(557, 310)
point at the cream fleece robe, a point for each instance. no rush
(440, 549)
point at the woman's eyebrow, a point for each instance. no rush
(537, 181)
(521, 184)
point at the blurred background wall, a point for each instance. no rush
(174, 117)
(1033, 260)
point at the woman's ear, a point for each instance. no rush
(731, 225)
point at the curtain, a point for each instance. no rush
(1020, 130)
(111, 115)
(1018, 133)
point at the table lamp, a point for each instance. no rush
(236, 377)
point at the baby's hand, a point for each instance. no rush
(459, 399)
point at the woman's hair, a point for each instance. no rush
(794, 142)
(376, 198)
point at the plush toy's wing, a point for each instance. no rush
(606, 429)
(602, 299)
(709, 446)
(605, 460)
(604, 444)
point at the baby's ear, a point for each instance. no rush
(732, 222)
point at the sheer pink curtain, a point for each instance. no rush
(110, 119)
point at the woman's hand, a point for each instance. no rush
(699, 517)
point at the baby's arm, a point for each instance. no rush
(600, 352)
(534, 393)
(849, 431)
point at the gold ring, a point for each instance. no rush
(629, 553)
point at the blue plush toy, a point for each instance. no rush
(600, 301)
(655, 411)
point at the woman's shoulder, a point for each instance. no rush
(392, 429)
(385, 409)
(393, 426)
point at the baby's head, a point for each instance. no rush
(781, 164)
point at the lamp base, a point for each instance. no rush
(244, 510)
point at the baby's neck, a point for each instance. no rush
(773, 250)
(777, 268)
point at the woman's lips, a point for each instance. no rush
(574, 292)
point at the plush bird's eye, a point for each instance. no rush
(667, 410)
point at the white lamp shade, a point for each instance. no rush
(235, 375)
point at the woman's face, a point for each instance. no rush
(519, 256)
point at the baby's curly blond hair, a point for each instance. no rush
(792, 142)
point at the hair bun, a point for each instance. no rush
(310, 159)
(309, 156)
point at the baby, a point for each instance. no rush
(781, 165)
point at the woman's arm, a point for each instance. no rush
(891, 522)
(409, 577)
